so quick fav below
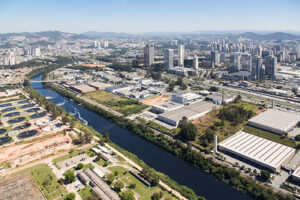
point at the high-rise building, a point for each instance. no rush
(149, 54)
(195, 62)
(181, 56)
(168, 59)
(271, 66)
(235, 61)
(257, 67)
(246, 62)
(174, 42)
(214, 55)
(37, 52)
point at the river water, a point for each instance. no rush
(176, 168)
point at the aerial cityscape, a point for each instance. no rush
(149, 100)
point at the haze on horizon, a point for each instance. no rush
(140, 16)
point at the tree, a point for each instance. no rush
(237, 99)
(110, 178)
(80, 166)
(265, 175)
(118, 186)
(69, 176)
(132, 185)
(157, 196)
(127, 195)
(61, 181)
(65, 119)
(188, 130)
(70, 196)
(214, 89)
(106, 136)
(297, 138)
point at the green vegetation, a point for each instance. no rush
(69, 176)
(70, 196)
(188, 131)
(116, 102)
(270, 136)
(46, 180)
(125, 178)
(223, 122)
(226, 174)
(265, 175)
(87, 193)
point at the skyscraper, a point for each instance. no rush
(214, 55)
(195, 62)
(181, 56)
(168, 59)
(256, 67)
(271, 66)
(235, 61)
(246, 62)
(149, 54)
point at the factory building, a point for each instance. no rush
(260, 151)
(166, 107)
(82, 88)
(192, 111)
(275, 121)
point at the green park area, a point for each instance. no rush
(87, 193)
(120, 104)
(136, 185)
(46, 181)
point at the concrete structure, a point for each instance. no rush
(215, 143)
(168, 59)
(219, 98)
(98, 85)
(271, 66)
(181, 56)
(275, 121)
(82, 88)
(214, 57)
(166, 107)
(186, 98)
(116, 88)
(195, 62)
(191, 112)
(296, 174)
(149, 54)
(263, 152)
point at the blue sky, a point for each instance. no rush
(139, 16)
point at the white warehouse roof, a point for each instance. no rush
(275, 121)
(259, 150)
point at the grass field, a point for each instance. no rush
(47, 181)
(223, 131)
(270, 136)
(65, 157)
(144, 191)
(87, 193)
(121, 104)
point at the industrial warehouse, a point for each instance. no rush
(263, 152)
(275, 121)
(191, 112)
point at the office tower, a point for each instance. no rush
(95, 44)
(168, 59)
(235, 61)
(257, 67)
(214, 55)
(181, 56)
(195, 62)
(271, 66)
(36, 52)
(246, 62)
(174, 42)
(105, 44)
(149, 54)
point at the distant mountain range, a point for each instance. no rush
(58, 35)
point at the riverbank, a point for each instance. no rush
(185, 193)
(226, 174)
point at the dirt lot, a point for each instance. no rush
(20, 187)
(155, 100)
(24, 153)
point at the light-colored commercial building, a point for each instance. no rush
(275, 121)
(166, 107)
(263, 152)
(191, 112)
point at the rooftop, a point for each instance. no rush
(255, 148)
(276, 119)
